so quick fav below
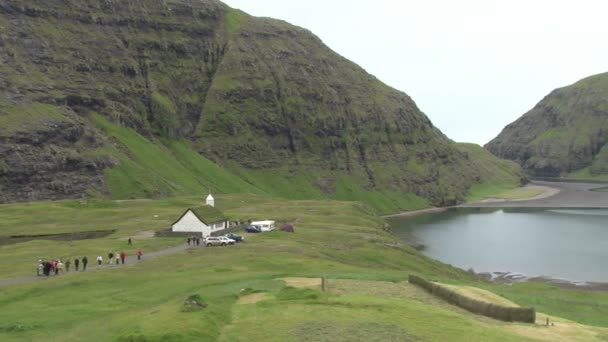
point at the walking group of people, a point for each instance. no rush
(116, 258)
(195, 241)
(58, 266)
(46, 268)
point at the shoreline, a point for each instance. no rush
(424, 211)
(558, 195)
(510, 278)
(547, 191)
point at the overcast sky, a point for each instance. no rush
(472, 66)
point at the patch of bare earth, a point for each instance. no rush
(253, 298)
(302, 282)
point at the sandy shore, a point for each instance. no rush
(545, 192)
(555, 195)
(548, 190)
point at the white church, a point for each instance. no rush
(204, 219)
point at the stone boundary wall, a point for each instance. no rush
(503, 313)
(91, 234)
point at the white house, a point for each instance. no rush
(204, 220)
(265, 226)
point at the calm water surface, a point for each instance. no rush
(559, 243)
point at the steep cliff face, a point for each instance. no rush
(92, 82)
(43, 155)
(282, 100)
(565, 132)
(142, 64)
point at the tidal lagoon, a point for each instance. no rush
(570, 244)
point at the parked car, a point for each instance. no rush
(253, 229)
(235, 237)
(218, 241)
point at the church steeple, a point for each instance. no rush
(210, 200)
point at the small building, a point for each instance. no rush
(265, 226)
(204, 220)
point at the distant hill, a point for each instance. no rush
(564, 134)
(155, 98)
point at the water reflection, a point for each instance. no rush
(560, 243)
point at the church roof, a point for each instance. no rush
(209, 214)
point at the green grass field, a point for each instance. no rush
(502, 191)
(342, 241)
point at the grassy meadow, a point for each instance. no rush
(244, 286)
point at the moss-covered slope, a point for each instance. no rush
(565, 132)
(152, 98)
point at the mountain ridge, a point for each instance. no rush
(565, 133)
(265, 101)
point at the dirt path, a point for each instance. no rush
(92, 266)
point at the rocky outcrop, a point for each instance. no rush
(565, 132)
(52, 161)
(142, 64)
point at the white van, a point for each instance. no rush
(265, 226)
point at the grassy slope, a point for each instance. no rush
(586, 174)
(168, 167)
(332, 239)
(497, 174)
(153, 168)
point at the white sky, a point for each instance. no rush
(472, 66)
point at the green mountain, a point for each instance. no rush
(153, 98)
(565, 133)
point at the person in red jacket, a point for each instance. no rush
(122, 257)
(139, 254)
(54, 266)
